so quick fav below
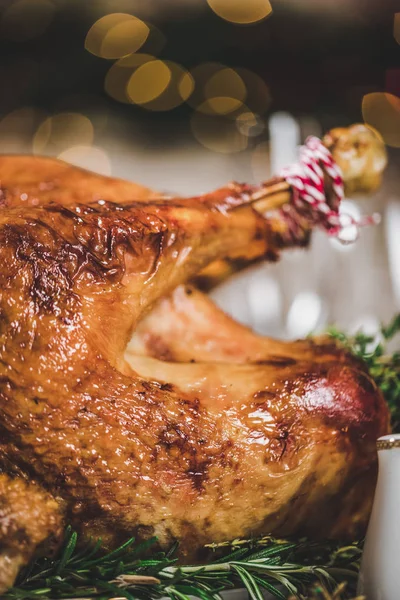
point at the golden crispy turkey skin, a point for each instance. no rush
(201, 431)
(28, 517)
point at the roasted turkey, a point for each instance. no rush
(131, 405)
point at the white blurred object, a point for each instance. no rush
(285, 139)
(350, 232)
(378, 578)
(392, 226)
(255, 296)
(88, 157)
(304, 315)
(232, 297)
(366, 323)
(265, 302)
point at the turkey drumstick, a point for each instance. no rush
(142, 444)
(360, 154)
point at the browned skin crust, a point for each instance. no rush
(257, 436)
(28, 517)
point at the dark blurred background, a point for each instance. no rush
(317, 57)
(184, 95)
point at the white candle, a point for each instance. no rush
(380, 567)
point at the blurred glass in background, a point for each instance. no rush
(185, 96)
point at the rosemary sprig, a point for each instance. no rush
(133, 571)
(383, 366)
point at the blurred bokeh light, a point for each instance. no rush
(142, 79)
(218, 133)
(241, 11)
(116, 35)
(224, 91)
(118, 76)
(87, 157)
(18, 128)
(148, 81)
(178, 89)
(58, 133)
(250, 124)
(382, 111)
(220, 89)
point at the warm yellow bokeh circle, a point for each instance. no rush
(241, 11)
(382, 111)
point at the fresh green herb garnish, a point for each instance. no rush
(134, 571)
(383, 366)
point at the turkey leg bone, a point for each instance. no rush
(361, 155)
(206, 334)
